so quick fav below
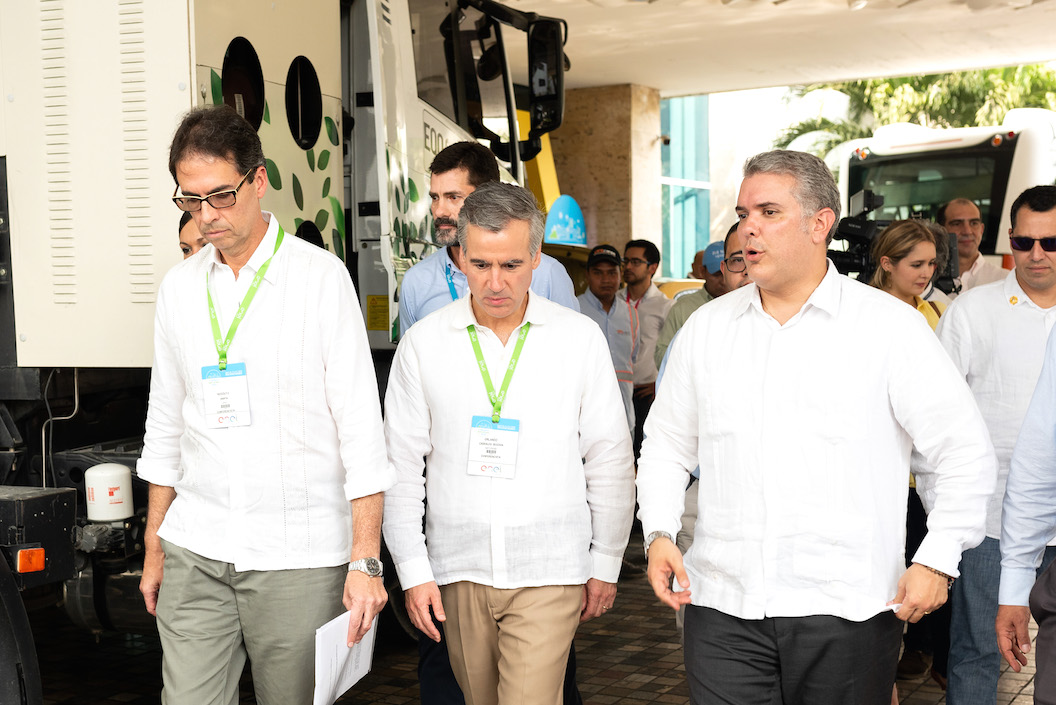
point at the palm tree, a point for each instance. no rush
(962, 99)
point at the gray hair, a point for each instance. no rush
(815, 188)
(494, 204)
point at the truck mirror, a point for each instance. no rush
(546, 72)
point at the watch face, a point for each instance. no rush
(373, 567)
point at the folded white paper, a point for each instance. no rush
(337, 667)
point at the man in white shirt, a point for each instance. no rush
(962, 220)
(527, 467)
(616, 317)
(264, 450)
(797, 559)
(641, 259)
(436, 281)
(996, 335)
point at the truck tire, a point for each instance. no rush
(19, 671)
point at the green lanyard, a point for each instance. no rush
(223, 344)
(497, 399)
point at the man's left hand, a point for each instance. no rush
(920, 591)
(598, 597)
(364, 598)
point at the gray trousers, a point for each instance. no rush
(817, 660)
(1043, 609)
(211, 617)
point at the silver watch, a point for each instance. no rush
(654, 536)
(370, 566)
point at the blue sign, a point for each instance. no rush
(564, 223)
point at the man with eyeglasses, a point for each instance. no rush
(641, 259)
(962, 220)
(264, 447)
(716, 266)
(996, 333)
(1028, 512)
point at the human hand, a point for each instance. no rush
(598, 597)
(920, 591)
(364, 597)
(665, 560)
(150, 583)
(1013, 640)
(419, 599)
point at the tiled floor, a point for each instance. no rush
(631, 655)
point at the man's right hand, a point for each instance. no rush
(150, 584)
(1013, 640)
(665, 560)
(419, 599)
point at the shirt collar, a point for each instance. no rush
(1014, 294)
(535, 313)
(264, 251)
(825, 297)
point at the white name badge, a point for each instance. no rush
(493, 447)
(226, 396)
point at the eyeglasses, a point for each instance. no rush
(1025, 244)
(735, 264)
(635, 261)
(217, 199)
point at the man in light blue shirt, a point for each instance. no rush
(437, 281)
(617, 318)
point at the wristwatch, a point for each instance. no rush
(654, 536)
(370, 566)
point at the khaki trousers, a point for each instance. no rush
(510, 646)
(211, 617)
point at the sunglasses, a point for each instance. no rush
(1025, 244)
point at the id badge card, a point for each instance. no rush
(493, 447)
(226, 395)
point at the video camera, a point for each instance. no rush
(859, 232)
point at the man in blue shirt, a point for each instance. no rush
(437, 281)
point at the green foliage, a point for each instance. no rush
(324, 159)
(331, 130)
(298, 195)
(963, 99)
(311, 159)
(267, 113)
(216, 87)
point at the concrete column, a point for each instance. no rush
(607, 154)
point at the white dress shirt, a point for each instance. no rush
(566, 515)
(981, 272)
(996, 336)
(803, 434)
(621, 328)
(267, 496)
(652, 310)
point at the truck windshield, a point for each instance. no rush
(916, 185)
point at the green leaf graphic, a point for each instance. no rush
(267, 113)
(311, 159)
(339, 215)
(326, 187)
(297, 223)
(412, 192)
(321, 218)
(273, 174)
(331, 130)
(396, 228)
(324, 159)
(339, 244)
(396, 195)
(217, 87)
(414, 231)
(298, 197)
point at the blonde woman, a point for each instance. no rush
(906, 255)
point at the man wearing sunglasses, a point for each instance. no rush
(264, 447)
(962, 220)
(1028, 513)
(995, 333)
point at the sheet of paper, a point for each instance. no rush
(337, 667)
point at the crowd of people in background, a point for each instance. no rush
(801, 526)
